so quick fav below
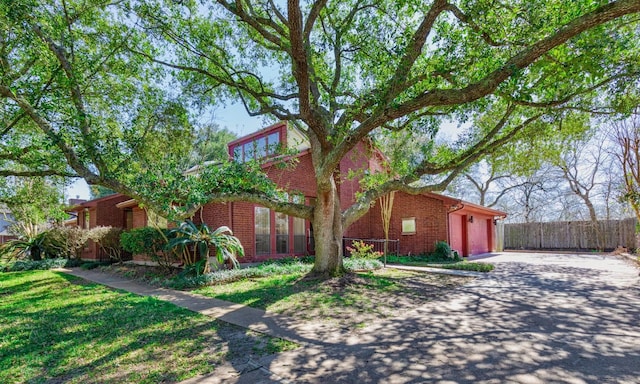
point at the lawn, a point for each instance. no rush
(58, 328)
(429, 261)
(351, 301)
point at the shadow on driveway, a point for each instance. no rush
(561, 319)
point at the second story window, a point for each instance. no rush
(257, 147)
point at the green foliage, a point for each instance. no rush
(33, 202)
(194, 241)
(362, 264)
(443, 251)
(286, 266)
(183, 281)
(435, 261)
(43, 245)
(468, 266)
(361, 250)
(93, 264)
(210, 144)
(164, 187)
(151, 242)
(98, 191)
(108, 239)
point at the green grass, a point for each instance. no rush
(309, 298)
(430, 261)
(58, 328)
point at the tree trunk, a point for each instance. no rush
(327, 231)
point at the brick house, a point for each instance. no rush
(417, 221)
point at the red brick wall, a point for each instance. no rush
(298, 177)
(358, 159)
(108, 214)
(431, 223)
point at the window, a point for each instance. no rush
(248, 151)
(277, 233)
(409, 226)
(257, 148)
(299, 238)
(282, 233)
(87, 218)
(261, 147)
(263, 230)
(273, 142)
(128, 219)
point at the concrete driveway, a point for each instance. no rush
(538, 318)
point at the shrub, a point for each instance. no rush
(362, 250)
(467, 266)
(355, 264)
(108, 239)
(184, 280)
(443, 250)
(31, 265)
(74, 239)
(93, 264)
(151, 242)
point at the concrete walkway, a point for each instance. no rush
(538, 318)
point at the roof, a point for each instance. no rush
(93, 203)
(127, 204)
(257, 133)
(477, 208)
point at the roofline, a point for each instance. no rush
(478, 207)
(127, 204)
(257, 133)
(94, 202)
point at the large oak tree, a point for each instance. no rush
(340, 71)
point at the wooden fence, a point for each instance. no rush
(570, 235)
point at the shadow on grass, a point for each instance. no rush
(352, 300)
(56, 330)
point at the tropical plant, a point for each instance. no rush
(192, 241)
(34, 247)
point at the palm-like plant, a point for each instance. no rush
(33, 247)
(191, 240)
